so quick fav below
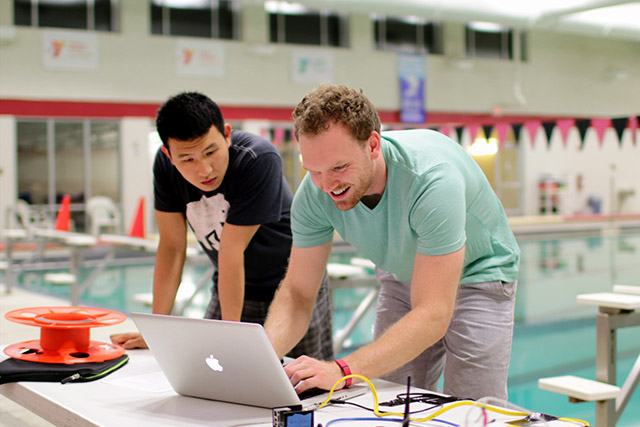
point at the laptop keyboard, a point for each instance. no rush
(312, 392)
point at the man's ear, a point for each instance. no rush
(166, 153)
(374, 144)
(227, 133)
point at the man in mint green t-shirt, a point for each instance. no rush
(418, 206)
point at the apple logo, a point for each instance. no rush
(213, 363)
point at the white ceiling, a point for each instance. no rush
(608, 18)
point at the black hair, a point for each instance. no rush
(187, 116)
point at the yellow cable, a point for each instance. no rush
(574, 420)
(365, 379)
(432, 416)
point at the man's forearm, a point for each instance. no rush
(287, 321)
(401, 343)
(231, 289)
(291, 309)
(433, 297)
(234, 240)
(167, 275)
(164, 295)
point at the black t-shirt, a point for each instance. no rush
(253, 191)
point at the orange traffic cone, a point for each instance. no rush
(137, 227)
(64, 214)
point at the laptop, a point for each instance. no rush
(225, 361)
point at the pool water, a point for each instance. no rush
(553, 335)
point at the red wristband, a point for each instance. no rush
(345, 370)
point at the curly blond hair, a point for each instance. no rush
(330, 104)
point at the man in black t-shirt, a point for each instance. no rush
(228, 186)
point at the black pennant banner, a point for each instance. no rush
(517, 127)
(582, 126)
(459, 130)
(487, 129)
(620, 125)
(548, 131)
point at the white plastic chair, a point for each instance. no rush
(23, 216)
(103, 212)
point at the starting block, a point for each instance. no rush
(60, 278)
(611, 300)
(626, 289)
(580, 389)
(144, 298)
(343, 271)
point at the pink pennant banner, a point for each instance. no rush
(446, 130)
(564, 126)
(600, 125)
(278, 136)
(473, 131)
(633, 126)
(501, 131)
(532, 128)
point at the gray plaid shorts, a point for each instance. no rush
(316, 343)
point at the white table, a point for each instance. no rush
(139, 395)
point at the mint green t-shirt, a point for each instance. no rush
(436, 200)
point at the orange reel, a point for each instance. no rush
(64, 335)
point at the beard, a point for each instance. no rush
(356, 191)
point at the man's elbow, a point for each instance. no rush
(296, 295)
(303, 299)
(437, 320)
(442, 322)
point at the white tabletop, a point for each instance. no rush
(139, 395)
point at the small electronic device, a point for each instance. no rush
(290, 417)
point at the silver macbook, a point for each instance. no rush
(226, 361)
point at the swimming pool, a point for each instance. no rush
(553, 334)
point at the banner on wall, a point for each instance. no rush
(200, 58)
(312, 67)
(70, 50)
(598, 125)
(411, 74)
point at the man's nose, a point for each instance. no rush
(204, 168)
(328, 182)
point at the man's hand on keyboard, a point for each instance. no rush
(306, 373)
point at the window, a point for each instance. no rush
(488, 40)
(408, 35)
(75, 157)
(217, 19)
(97, 15)
(293, 23)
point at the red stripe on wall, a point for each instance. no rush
(95, 109)
(76, 109)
